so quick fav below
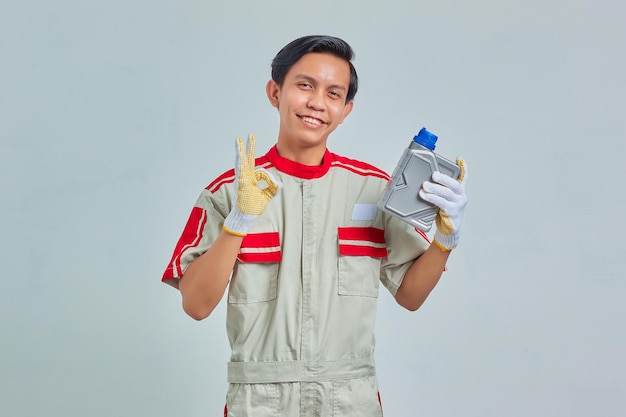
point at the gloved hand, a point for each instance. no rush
(449, 195)
(250, 200)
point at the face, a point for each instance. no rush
(311, 101)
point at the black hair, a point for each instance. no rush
(293, 51)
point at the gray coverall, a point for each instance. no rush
(303, 294)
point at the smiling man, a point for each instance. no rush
(312, 98)
(296, 238)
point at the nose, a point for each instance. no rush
(316, 100)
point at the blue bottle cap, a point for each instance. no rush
(426, 139)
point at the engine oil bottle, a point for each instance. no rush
(417, 164)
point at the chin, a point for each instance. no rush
(307, 140)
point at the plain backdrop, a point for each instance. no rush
(114, 115)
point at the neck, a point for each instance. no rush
(305, 155)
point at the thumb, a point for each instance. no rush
(463, 174)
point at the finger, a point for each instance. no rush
(273, 185)
(440, 190)
(448, 182)
(251, 151)
(239, 156)
(438, 201)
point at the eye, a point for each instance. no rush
(304, 85)
(334, 94)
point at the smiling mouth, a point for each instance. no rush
(312, 120)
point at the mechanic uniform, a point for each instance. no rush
(303, 293)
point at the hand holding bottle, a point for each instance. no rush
(449, 195)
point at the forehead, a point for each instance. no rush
(323, 67)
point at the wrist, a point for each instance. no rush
(238, 223)
(446, 242)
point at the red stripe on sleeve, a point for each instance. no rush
(423, 234)
(190, 238)
(225, 178)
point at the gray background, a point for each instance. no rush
(114, 115)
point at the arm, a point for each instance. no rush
(203, 284)
(423, 275)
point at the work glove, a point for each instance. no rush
(449, 195)
(249, 200)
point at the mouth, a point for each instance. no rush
(312, 120)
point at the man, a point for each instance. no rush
(299, 231)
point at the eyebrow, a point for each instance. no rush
(314, 81)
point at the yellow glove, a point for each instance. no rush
(250, 200)
(449, 195)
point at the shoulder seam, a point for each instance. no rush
(359, 167)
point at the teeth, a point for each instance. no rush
(311, 120)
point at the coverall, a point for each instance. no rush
(303, 293)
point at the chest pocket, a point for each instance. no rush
(255, 277)
(361, 250)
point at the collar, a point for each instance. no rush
(296, 169)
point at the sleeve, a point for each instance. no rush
(201, 230)
(404, 245)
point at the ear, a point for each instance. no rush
(346, 110)
(272, 90)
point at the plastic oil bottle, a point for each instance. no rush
(417, 165)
